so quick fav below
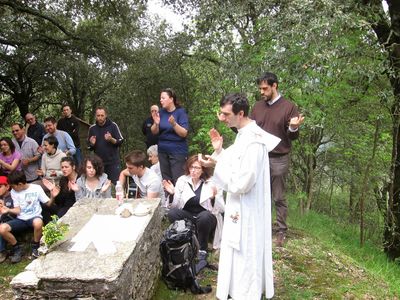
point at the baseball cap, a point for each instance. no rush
(3, 180)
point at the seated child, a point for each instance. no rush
(5, 200)
(26, 198)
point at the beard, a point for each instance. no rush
(266, 97)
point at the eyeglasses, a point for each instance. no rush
(13, 131)
(194, 168)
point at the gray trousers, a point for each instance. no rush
(172, 166)
(279, 167)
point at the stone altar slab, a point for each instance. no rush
(104, 256)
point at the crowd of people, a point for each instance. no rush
(43, 172)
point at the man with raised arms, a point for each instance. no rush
(245, 265)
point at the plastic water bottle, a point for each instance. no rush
(119, 193)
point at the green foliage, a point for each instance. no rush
(54, 231)
(341, 237)
(328, 60)
(40, 39)
(328, 63)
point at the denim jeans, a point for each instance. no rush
(2, 244)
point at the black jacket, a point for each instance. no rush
(107, 151)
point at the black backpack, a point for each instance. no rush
(178, 249)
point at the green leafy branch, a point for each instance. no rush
(54, 231)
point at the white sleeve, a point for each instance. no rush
(239, 177)
(42, 195)
(154, 185)
(178, 192)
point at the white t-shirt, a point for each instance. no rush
(28, 201)
(156, 169)
(149, 182)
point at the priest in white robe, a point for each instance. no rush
(245, 264)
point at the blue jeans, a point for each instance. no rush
(2, 244)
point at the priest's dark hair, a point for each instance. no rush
(239, 102)
(268, 78)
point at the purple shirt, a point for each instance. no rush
(9, 159)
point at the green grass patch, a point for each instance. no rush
(343, 239)
(9, 270)
(322, 259)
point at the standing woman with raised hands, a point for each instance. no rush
(172, 125)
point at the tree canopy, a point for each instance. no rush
(337, 60)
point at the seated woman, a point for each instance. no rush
(93, 182)
(10, 159)
(51, 161)
(196, 198)
(63, 195)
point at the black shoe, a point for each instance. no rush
(202, 263)
(16, 256)
(280, 239)
(35, 252)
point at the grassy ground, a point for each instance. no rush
(307, 269)
(321, 260)
(7, 272)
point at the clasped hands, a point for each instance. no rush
(156, 118)
(107, 136)
(3, 208)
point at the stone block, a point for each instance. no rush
(103, 256)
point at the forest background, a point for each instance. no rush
(339, 61)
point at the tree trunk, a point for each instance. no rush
(331, 194)
(364, 187)
(387, 30)
(310, 181)
(392, 218)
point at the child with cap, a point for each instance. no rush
(5, 200)
(26, 198)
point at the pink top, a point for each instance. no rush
(9, 159)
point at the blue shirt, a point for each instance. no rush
(65, 141)
(168, 141)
